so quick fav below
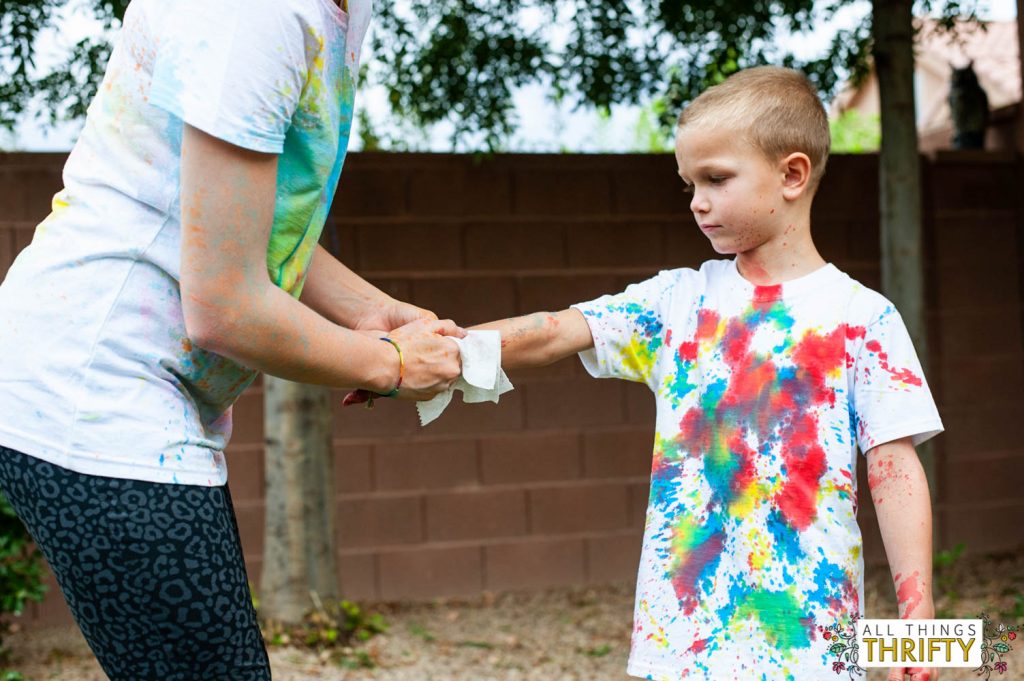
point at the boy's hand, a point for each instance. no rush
(915, 674)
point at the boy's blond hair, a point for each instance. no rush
(777, 109)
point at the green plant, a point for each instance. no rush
(855, 133)
(649, 135)
(356, 659)
(421, 631)
(945, 559)
(334, 627)
(944, 565)
(21, 572)
(1016, 611)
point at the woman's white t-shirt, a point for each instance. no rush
(97, 374)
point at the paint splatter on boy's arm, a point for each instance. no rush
(908, 593)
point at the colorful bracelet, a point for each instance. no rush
(401, 375)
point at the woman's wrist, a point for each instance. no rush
(401, 367)
(385, 368)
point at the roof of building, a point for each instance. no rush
(994, 51)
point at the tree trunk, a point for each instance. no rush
(900, 182)
(299, 545)
(1020, 105)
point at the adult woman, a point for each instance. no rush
(180, 260)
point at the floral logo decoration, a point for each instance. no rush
(843, 646)
(997, 641)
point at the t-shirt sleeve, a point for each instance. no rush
(628, 329)
(890, 394)
(233, 69)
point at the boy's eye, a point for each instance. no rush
(716, 179)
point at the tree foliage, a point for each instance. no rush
(460, 61)
(65, 91)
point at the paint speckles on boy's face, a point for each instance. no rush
(736, 197)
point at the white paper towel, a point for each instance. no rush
(482, 378)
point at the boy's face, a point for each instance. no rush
(738, 194)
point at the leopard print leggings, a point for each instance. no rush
(153, 573)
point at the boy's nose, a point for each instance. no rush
(698, 204)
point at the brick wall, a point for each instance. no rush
(550, 486)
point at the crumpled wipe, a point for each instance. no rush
(482, 380)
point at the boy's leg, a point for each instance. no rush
(153, 573)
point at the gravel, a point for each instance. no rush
(571, 634)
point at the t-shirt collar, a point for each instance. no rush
(788, 289)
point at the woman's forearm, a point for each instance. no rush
(338, 293)
(274, 333)
(899, 490)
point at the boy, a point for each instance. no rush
(769, 370)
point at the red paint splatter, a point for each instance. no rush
(817, 356)
(903, 375)
(736, 342)
(684, 581)
(805, 464)
(699, 646)
(908, 595)
(881, 474)
(767, 294)
(688, 352)
(707, 324)
(855, 332)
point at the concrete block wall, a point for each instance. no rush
(549, 487)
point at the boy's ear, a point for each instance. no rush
(796, 169)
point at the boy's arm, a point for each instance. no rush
(541, 338)
(899, 492)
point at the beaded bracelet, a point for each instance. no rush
(401, 375)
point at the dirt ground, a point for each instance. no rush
(577, 634)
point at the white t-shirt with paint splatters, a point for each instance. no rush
(764, 395)
(96, 372)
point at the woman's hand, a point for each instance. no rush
(432, 363)
(392, 314)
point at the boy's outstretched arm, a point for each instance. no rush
(899, 492)
(540, 338)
